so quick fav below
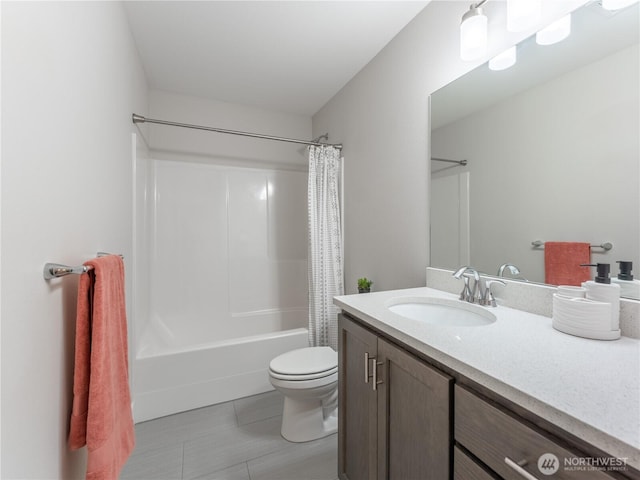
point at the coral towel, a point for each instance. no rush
(562, 263)
(101, 416)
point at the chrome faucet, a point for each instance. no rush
(513, 270)
(474, 294)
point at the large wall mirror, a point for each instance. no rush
(552, 150)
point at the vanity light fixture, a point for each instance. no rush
(555, 32)
(473, 33)
(504, 60)
(616, 4)
(523, 14)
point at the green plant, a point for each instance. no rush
(364, 284)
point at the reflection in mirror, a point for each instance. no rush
(552, 146)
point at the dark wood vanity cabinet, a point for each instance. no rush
(395, 415)
(357, 402)
(402, 419)
(508, 447)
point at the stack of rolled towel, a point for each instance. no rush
(590, 311)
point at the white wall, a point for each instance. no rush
(381, 117)
(576, 179)
(70, 81)
(180, 143)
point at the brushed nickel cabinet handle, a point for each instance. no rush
(375, 380)
(366, 367)
(517, 467)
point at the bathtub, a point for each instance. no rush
(170, 376)
(220, 281)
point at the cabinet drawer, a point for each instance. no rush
(464, 468)
(504, 444)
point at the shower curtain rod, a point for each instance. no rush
(140, 119)
(459, 162)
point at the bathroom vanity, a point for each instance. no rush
(511, 399)
(407, 413)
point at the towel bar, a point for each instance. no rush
(606, 246)
(55, 270)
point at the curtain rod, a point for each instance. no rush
(459, 162)
(140, 119)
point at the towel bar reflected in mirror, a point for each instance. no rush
(605, 246)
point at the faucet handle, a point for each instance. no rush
(478, 291)
(466, 291)
(488, 299)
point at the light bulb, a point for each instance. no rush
(555, 32)
(473, 35)
(523, 14)
(503, 61)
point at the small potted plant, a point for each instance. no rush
(364, 285)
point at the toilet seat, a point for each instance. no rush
(306, 384)
(312, 376)
(305, 363)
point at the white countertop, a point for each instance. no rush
(589, 388)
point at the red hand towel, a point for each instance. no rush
(562, 263)
(101, 416)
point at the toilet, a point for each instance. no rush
(308, 379)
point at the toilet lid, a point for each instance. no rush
(305, 361)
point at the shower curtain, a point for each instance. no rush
(325, 245)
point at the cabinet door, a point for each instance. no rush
(357, 444)
(414, 418)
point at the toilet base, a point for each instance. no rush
(304, 420)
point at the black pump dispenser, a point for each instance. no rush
(625, 270)
(602, 270)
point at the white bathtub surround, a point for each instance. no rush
(224, 268)
(325, 245)
(534, 298)
(588, 388)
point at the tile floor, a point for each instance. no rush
(238, 440)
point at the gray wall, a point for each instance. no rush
(381, 117)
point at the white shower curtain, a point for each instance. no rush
(325, 245)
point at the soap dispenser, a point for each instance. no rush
(602, 290)
(629, 287)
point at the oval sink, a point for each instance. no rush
(441, 311)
